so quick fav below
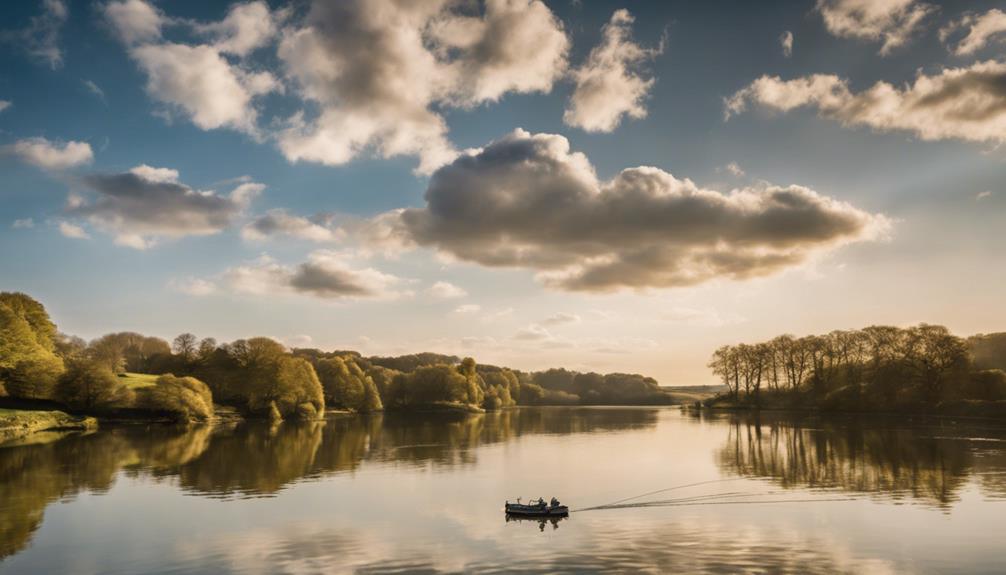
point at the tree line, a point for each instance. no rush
(877, 367)
(261, 377)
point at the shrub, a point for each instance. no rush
(87, 385)
(988, 384)
(185, 398)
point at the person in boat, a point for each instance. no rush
(554, 502)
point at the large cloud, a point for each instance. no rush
(608, 84)
(376, 68)
(199, 81)
(371, 76)
(50, 155)
(146, 203)
(528, 201)
(326, 275)
(891, 22)
(959, 103)
(980, 31)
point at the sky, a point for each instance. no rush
(604, 186)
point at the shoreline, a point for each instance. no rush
(838, 412)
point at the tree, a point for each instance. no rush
(185, 398)
(90, 385)
(27, 368)
(69, 346)
(35, 378)
(473, 382)
(185, 346)
(207, 346)
(342, 381)
(34, 314)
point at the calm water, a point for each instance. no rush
(402, 494)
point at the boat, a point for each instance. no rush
(537, 508)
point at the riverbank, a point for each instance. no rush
(18, 423)
(961, 408)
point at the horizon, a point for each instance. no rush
(603, 200)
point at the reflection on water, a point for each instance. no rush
(540, 521)
(395, 493)
(255, 459)
(925, 462)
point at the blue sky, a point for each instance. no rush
(900, 215)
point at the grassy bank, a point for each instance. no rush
(788, 401)
(18, 423)
(138, 380)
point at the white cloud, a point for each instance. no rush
(786, 41)
(446, 290)
(41, 37)
(135, 21)
(468, 308)
(146, 203)
(73, 231)
(983, 195)
(23, 224)
(561, 318)
(957, 103)
(156, 175)
(50, 155)
(193, 286)
(980, 31)
(94, 89)
(279, 222)
(325, 275)
(197, 80)
(377, 69)
(4, 104)
(734, 169)
(246, 28)
(609, 85)
(891, 22)
(533, 332)
(374, 76)
(527, 201)
(538, 337)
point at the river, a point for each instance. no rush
(395, 493)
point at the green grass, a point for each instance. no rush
(18, 423)
(138, 380)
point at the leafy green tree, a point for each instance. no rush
(473, 381)
(35, 314)
(69, 346)
(28, 369)
(371, 397)
(35, 378)
(342, 381)
(185, 398)
(89, 385)
(382, 378)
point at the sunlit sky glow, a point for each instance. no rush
(616, 186)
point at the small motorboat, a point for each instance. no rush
(537, 508)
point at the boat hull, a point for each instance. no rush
(534, 511)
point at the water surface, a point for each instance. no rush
(388, 493)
